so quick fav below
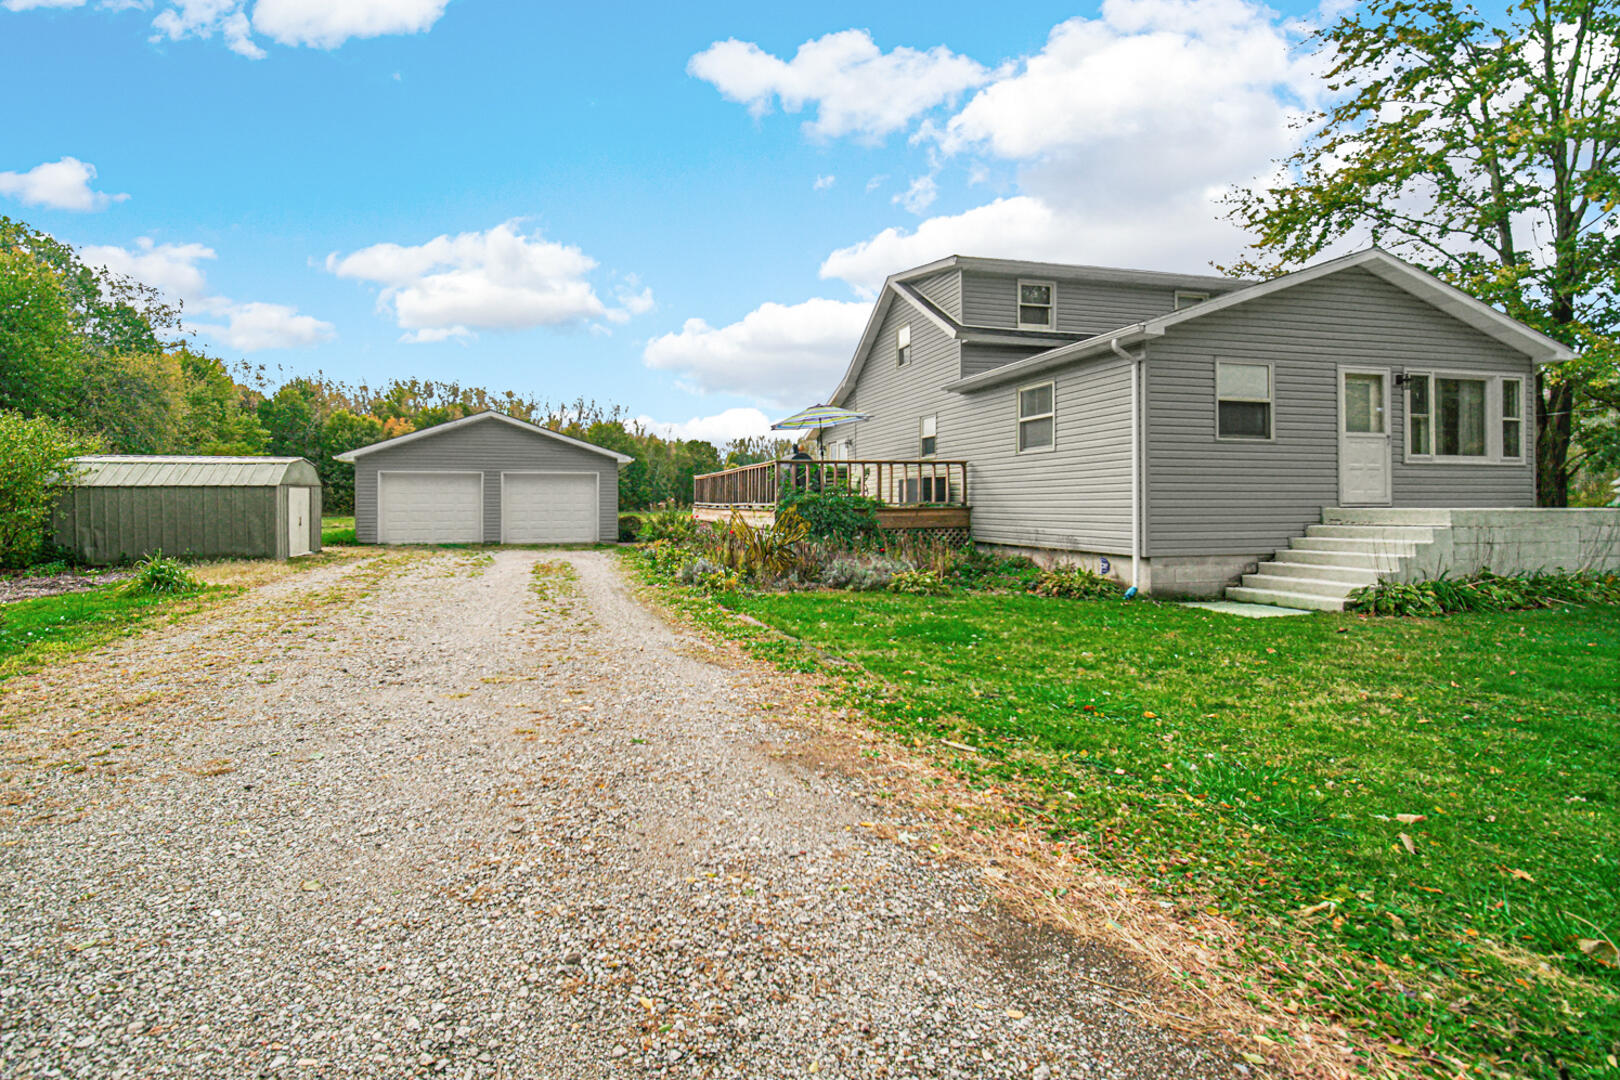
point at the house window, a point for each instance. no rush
(1036, 417)
(1035, 305)
(1242, 400)
(902, 346)
(929, 432)
(1464, 416)
(1512, 419)
(1188, 299)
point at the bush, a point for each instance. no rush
(34, 468)
(918, 583)
(1073, 583)
(629, 528)
(772, 552)
(667, 527)
(706, 575)
(157, 575)
(982, 570)
(858, 574)
(834, 515)
(1484, 591)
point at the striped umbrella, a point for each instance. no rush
(818, 416)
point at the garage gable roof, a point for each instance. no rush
(175, 470)
(476, 418)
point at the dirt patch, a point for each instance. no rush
(34, 586)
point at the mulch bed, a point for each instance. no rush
(33, 586)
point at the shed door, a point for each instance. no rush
(1364, 457)
(297, 521)
(430, 507)
(549, 508)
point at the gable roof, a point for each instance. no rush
(1466, 309)
(477, 418)
(898, 286)
(176, 470)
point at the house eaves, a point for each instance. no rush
(1395, 271)
(479, 417)
(1111, 275)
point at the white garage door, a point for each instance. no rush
(430, 507)
(548, 508)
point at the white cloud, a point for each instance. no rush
(1124, 129)
(783, 355)
(856, 87)
(257, 325)
(29, 5)
(920, 195)
(824, 182)
(59, 185)
(326, 24)
(719, 429)
(174, 270)
(500, 279)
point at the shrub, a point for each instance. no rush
(1484, 591)
(983, 570)
(157, 575)
(34, 467)
(629, 528)
(705, 574)
(667, 527)
(834, 515)
(918, 583)
(1074, 583)
(773, 551)
(858, 574)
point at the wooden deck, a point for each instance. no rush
(915, 494)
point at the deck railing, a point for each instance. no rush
(917, 482)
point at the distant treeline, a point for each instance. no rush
(106, 359)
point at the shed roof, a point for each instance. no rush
(167, 470)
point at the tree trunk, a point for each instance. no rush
(1555, 403)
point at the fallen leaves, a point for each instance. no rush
(1599, 950)
(1408, 843)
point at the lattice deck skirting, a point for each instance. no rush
(950, 534)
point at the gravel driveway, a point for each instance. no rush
(411, 815)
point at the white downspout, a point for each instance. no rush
(1136, 464)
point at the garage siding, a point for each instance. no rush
(490, 447)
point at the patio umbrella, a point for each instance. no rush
(818, 417)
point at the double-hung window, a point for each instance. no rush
(1037, 415)
(902, 346)
(928, 436)
(1463, 416)
(1037, 305)
(1243, 399)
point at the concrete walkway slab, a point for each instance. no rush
(1247, 611)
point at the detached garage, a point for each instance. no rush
(486, 478)
(122, 507)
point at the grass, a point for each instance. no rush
(337, 530)
(33, 632)
(1262, 767)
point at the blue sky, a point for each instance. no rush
(683, 211)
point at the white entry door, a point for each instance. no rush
(1364, 449)
(430, 507)
(297, 521)
(549, 508)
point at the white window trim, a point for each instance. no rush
(922, 433)
(902, 346)
(1018, 305)
(1493, 417)
(1020, 419)
(1271, 381)
(1190, 297)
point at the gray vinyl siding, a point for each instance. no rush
(1077, 496)
(490, 447)
(1208, 497)
(105, 525)
(978, 357)
(1083, 307)
(944, 289)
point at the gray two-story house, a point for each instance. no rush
(1178, 430)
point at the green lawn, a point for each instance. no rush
(337, 530)
(33, 631)
(1261, 764)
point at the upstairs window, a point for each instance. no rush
(1036, 305)
(1242, 400)
(1036, 418)
(902, 346)
(928, 436)
(1188, 299)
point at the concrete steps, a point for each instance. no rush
(1321, 569)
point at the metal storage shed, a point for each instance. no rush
(126, 507)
